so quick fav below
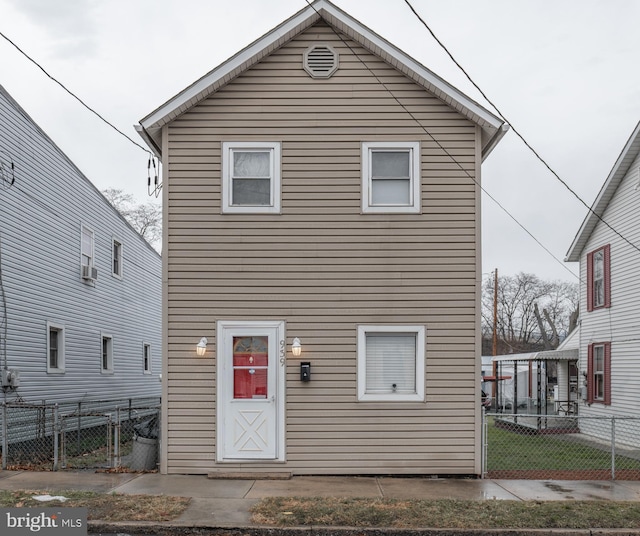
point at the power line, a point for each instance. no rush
(72, 94)
(54, 212)
(454, 160)
(517, 133)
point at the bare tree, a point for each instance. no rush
(146, 218)
(533, 314)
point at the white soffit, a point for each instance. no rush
(628, 155)
(150, 127)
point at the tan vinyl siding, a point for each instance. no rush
(324, 267)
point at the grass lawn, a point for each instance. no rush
(357, 512)
(512, 450)
(446, 513)
(104, 506)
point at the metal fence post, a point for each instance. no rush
(56, 430)
(79, 433)
(63, 442)
(116, 441)
(109, 437)
(5, 441)
(483, 433)
(613, 447)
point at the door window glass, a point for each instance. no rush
(250, 367)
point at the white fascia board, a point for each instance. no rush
(494, 140)
(306, 17)
(617, 174)
(441, 88)
(148, 140)
(227, 67)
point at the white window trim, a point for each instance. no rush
(420, 332)
(599, 375)
(415, 206)
(120, 275)
(109, 369)
(147, 370)
(227, 149)
(61, 342)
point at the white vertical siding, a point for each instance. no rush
(40, 229)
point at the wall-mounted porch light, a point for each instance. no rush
(201, 347)
(296, 347)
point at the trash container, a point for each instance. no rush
(144, 455)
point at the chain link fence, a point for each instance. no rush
(107, 434)
(551, 447)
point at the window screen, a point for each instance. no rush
(390, 178)
(251, 178)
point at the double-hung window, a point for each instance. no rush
(87, 247)
(106, 354)
(599, 373)
(251, 177)
(391, 363)
(55, 348)
(116, 258)
(599, 278)
(146, 358)
(391, 177)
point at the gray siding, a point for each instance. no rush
(40, 230)
(324, 267)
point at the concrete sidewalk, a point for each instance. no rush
(226, 503)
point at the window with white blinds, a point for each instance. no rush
(391, 362)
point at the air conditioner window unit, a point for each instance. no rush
(89, 272)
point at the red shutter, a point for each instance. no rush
(607, 275)
(589, 282)
(590, 375)
(607, 373)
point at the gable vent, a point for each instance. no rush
(320, 61)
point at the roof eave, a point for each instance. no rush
(490, 144)
(229, 69)
(617, 173)
(149, 140)
(492, 126)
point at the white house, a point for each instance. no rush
(80, 289)
(608, 249)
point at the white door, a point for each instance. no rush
(251, 363)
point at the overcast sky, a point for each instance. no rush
(563, 72)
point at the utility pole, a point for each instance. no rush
(495, 312)
(494, 387)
